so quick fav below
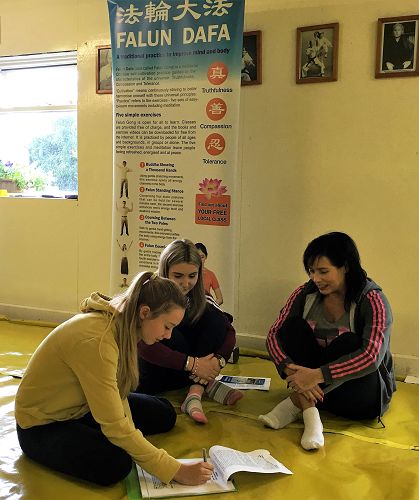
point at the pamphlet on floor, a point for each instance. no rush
(236, 382)
(226, 461)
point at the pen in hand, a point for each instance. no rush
(209, 468)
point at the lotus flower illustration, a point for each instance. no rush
(212, 187)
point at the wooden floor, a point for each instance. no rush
(360, 460)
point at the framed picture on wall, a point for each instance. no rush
(397, 47)
(317, 53)
(104, 70)
(251, 73)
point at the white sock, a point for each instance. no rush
(313, 430)
(283, 414)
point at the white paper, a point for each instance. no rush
(411, 379)
(229, 461)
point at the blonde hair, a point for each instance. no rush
(178, 252)
(161, 296)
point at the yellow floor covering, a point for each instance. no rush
(359, 461)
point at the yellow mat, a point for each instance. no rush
(361, 460)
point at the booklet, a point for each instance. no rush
(152, 487)
(236, 382)
(226, 461)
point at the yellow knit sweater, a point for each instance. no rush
(72, 372)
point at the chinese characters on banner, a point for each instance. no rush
(176, 84)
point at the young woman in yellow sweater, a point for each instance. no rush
(75, 411)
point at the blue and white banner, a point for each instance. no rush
(176, 83)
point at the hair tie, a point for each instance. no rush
(151, 278)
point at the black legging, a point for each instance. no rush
(355, 399)
(80, 449)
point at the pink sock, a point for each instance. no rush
(192, 406)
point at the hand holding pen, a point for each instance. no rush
(197, 473)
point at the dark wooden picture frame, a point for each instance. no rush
(397, 47)
(104, 70)
(251, 72)
(317, 53)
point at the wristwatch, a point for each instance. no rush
(221, 361)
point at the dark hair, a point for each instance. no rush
(341, 250)
(178, 252)
(202, 247)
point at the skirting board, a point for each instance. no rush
(23, 313)
(404, 364)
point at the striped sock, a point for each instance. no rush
(222, 393)
(192, 406)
